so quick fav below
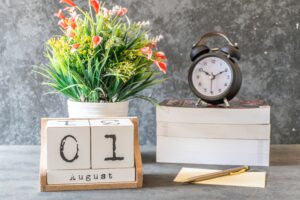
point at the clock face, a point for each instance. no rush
(212, 77)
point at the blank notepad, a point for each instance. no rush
(247, 179)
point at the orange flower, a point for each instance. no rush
(69, 2)
(95, 4)
(147, 51)
(60, 14)
(74, 47)
(72, 22)
(152, 44)
(160, 55)
(63, 23)
(122, 11)
(96, 41)
(72, 34)
(161, 66)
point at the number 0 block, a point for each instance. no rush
(68, 144)
(112, 143)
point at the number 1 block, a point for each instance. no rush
(112, 143)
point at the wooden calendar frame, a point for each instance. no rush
(138, 183)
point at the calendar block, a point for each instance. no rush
(90, 176)
(68, 144)
(112, 143)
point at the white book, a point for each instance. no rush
(214, 131)
(239, 113)
(213, 151)
(90, 176)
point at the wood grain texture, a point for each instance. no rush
(285, 155)
(137, 154)
(43, 171)
(44, 187)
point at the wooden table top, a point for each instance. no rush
(19, 179)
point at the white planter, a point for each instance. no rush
(95, 110)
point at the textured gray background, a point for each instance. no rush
(267, 31)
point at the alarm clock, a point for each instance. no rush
(214, 75)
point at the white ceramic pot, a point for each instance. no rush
(95, 110)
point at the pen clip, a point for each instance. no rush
(238, 172)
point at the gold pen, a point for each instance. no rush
(226, 172)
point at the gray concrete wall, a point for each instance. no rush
(268, 33)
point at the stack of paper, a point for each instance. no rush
(239, 135)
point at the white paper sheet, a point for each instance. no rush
(247, 179)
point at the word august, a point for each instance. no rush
(91, 177)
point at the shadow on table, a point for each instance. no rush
(159, 180)
(148, 157)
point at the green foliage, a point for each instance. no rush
(116, 70)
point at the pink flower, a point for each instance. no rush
(160, 55)
(161, 66)
(69, 2)
(74, 15)
(63, 23)
(60, 14)
(95, 4)
(147, 51)
(70, 32)
(96, 41)
(74, 47)
(69, 9)
(106, 12)
(121, 11)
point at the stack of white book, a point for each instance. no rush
(238, 135)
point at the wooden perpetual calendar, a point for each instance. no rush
(90, 154)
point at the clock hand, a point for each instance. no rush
(201, 70)
(219, 73)
(211, 81)
(212, 76)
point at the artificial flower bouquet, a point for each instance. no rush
(102, 56)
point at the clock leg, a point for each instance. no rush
(200, 102)
(226, 102)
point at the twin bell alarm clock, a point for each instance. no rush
(214, 76)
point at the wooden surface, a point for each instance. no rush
(19, 166)
(44, 187)
(285, 155)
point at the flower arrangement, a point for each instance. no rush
(101, 56)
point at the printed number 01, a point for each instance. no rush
(63, 141)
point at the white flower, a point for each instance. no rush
(158, 38)
(144, 23)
